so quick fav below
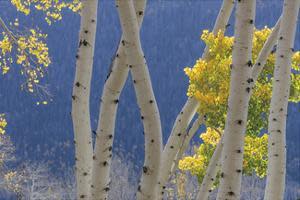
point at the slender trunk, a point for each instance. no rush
(186, 141)
(212, 168)
(106, 126)
(239, 95)
(145, 98)
(187, 113)
(211, 173)
(81, 96)
(279, 102)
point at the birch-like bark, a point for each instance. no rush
(239, 95)
(211, 173)
(113, 87)
(214, 164)
(188, 136)
(145, 98)
(81, 97)
(276, 170)
(187, 112)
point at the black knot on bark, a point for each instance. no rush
(106, 189)
(145, 169)
(238, 170)
(239, 121)
(249, 63)
(248, 89)
(238, 151)
(77, 84)
(222, 175)
(230, 193)
(251, 21)
(152, 141)
(142, 117)
(110, 136)
(116, 101)
(280, 38)
(110, 148)
(151, 101)
(82, 196)
(250, 80)
(105, 163)
(171, 147)
(141, 12)
(85, 173)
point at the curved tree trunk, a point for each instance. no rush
(278, 110)
(145, 98)
(239, 95)
(81, 97)
(214, 163)
(188, 111)
(106, 126)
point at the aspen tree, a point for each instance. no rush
(232, 154)
(145, 98)
(108, 108)
(214, 163)
(276, 170)
(187, 112)
(81, 97)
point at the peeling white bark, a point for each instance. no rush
(279, 102)
(81, 96)
(145, 98)
(232, 155)
(106, 126)
(188, 111)
(214, 163)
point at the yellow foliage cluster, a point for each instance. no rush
(209, 82)
(28, 50)
(3, 124)
(209, 79)
(51, 8)
(255, 155)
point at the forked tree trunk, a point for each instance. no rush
(113, 87)
(214, 163)
(241, 74)
(145, 98)
(81, 97)
(187, 112)
(276, 170)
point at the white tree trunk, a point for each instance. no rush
(278, 110)
(81, 96)
(186, 142)
(214, 163)
(106, 126)
(232, 155)
(145, 98)
(265, 51)
(211, 173)
(187, 113)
